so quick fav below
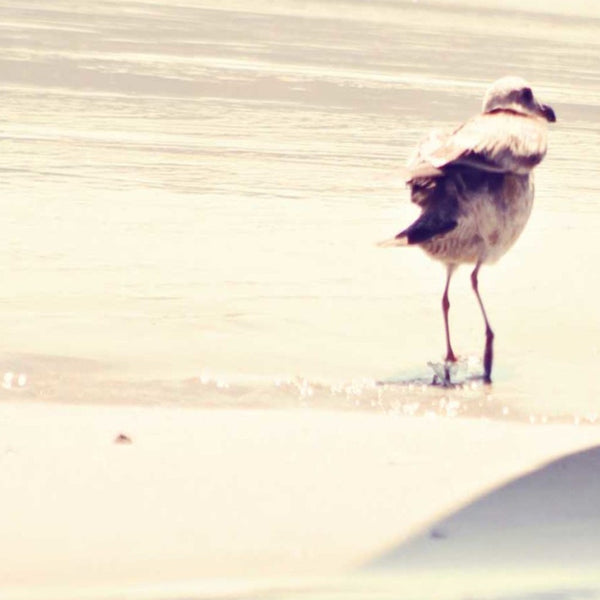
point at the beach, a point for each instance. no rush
(197, 503)
(213, 382)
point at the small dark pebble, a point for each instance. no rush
(438, 534)
(122, 439)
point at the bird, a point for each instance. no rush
(474, 185)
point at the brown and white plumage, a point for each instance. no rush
(474, 185)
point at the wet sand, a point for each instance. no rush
(200, 188)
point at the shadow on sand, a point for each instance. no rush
(548, 517)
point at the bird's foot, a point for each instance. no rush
(479, 378)
(443, 372)
(474, 372)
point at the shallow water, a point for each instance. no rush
(193, 191)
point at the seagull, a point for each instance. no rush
(474, 185)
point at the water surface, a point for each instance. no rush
(193, 191)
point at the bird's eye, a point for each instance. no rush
(527, 95)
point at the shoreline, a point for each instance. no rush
(72, 381)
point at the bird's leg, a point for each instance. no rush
(488, 354)
(450, 356)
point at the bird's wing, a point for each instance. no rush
(420, 164)
(501, 141)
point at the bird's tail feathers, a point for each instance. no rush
(399, 240)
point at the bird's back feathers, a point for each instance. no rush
(502, 141)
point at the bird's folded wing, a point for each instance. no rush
(499, 142)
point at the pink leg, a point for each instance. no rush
(450, 356)
(488, 354)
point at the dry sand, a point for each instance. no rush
(192, 500)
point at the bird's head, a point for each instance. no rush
(514, 93)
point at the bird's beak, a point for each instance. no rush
(547, 112)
